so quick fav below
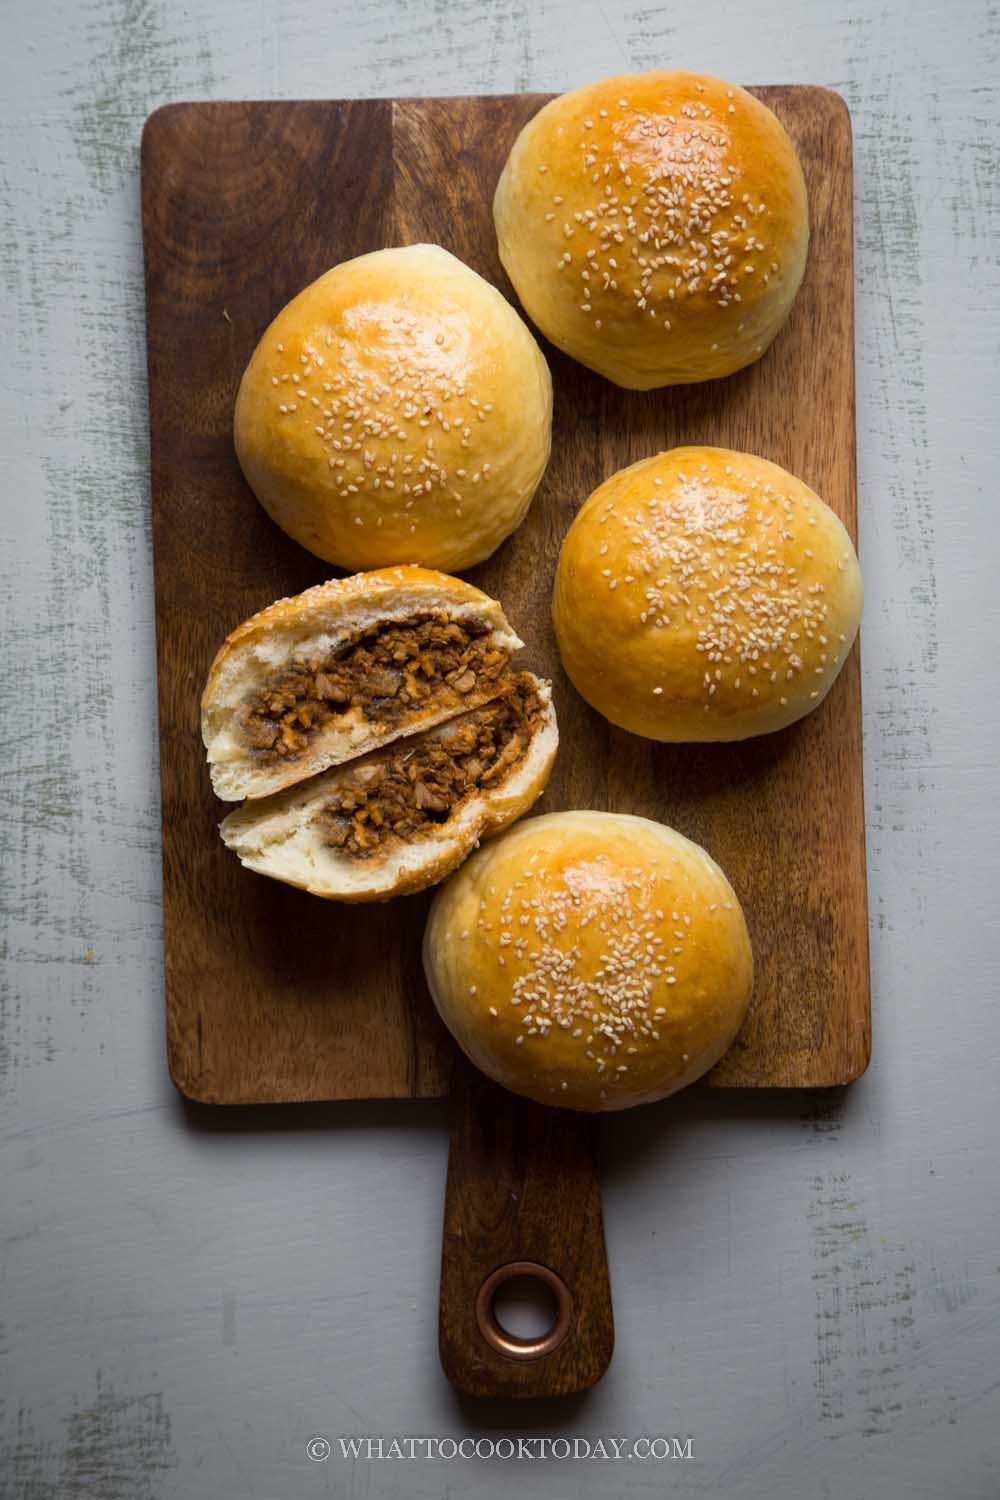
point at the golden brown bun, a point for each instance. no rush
(321, 621)
(655, 226)
(397, 410)
(590, 960)
(279, 836)
(705, 595)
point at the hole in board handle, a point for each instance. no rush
(511, 1344)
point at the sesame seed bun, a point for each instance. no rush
(705, 595)
(283, 836)
(590, 960)
(655, 226)
(397, 410)
(320, 623)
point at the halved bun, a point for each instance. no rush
(287, 836)
(242, 703)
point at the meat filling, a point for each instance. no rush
(403, 792)
(388, 674)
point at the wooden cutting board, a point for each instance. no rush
(273, 995)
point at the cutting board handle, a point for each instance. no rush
(522, 1198)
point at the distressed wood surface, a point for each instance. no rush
(271, 996)
(806, 1285)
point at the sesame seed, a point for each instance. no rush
(703, 550)
(680, 221)
(385, 418)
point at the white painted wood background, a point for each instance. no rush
(807, 1286)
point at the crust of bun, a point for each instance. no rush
(655, 226)
(396, 410)
(590, 960)
(277, 836)
(705, 594)
(323, 618)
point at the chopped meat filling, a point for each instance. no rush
(403, 791)
(388, 673)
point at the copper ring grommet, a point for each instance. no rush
(508, 1343)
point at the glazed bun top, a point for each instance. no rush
(590, 960)
(655, 226)
(705, 595)
(396, 410)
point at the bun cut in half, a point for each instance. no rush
(351, 665)
(705, 595)
(590, 960)
(402, 817)
(655, 226)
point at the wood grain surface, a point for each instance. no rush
(521, 1187)
(275, 996)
